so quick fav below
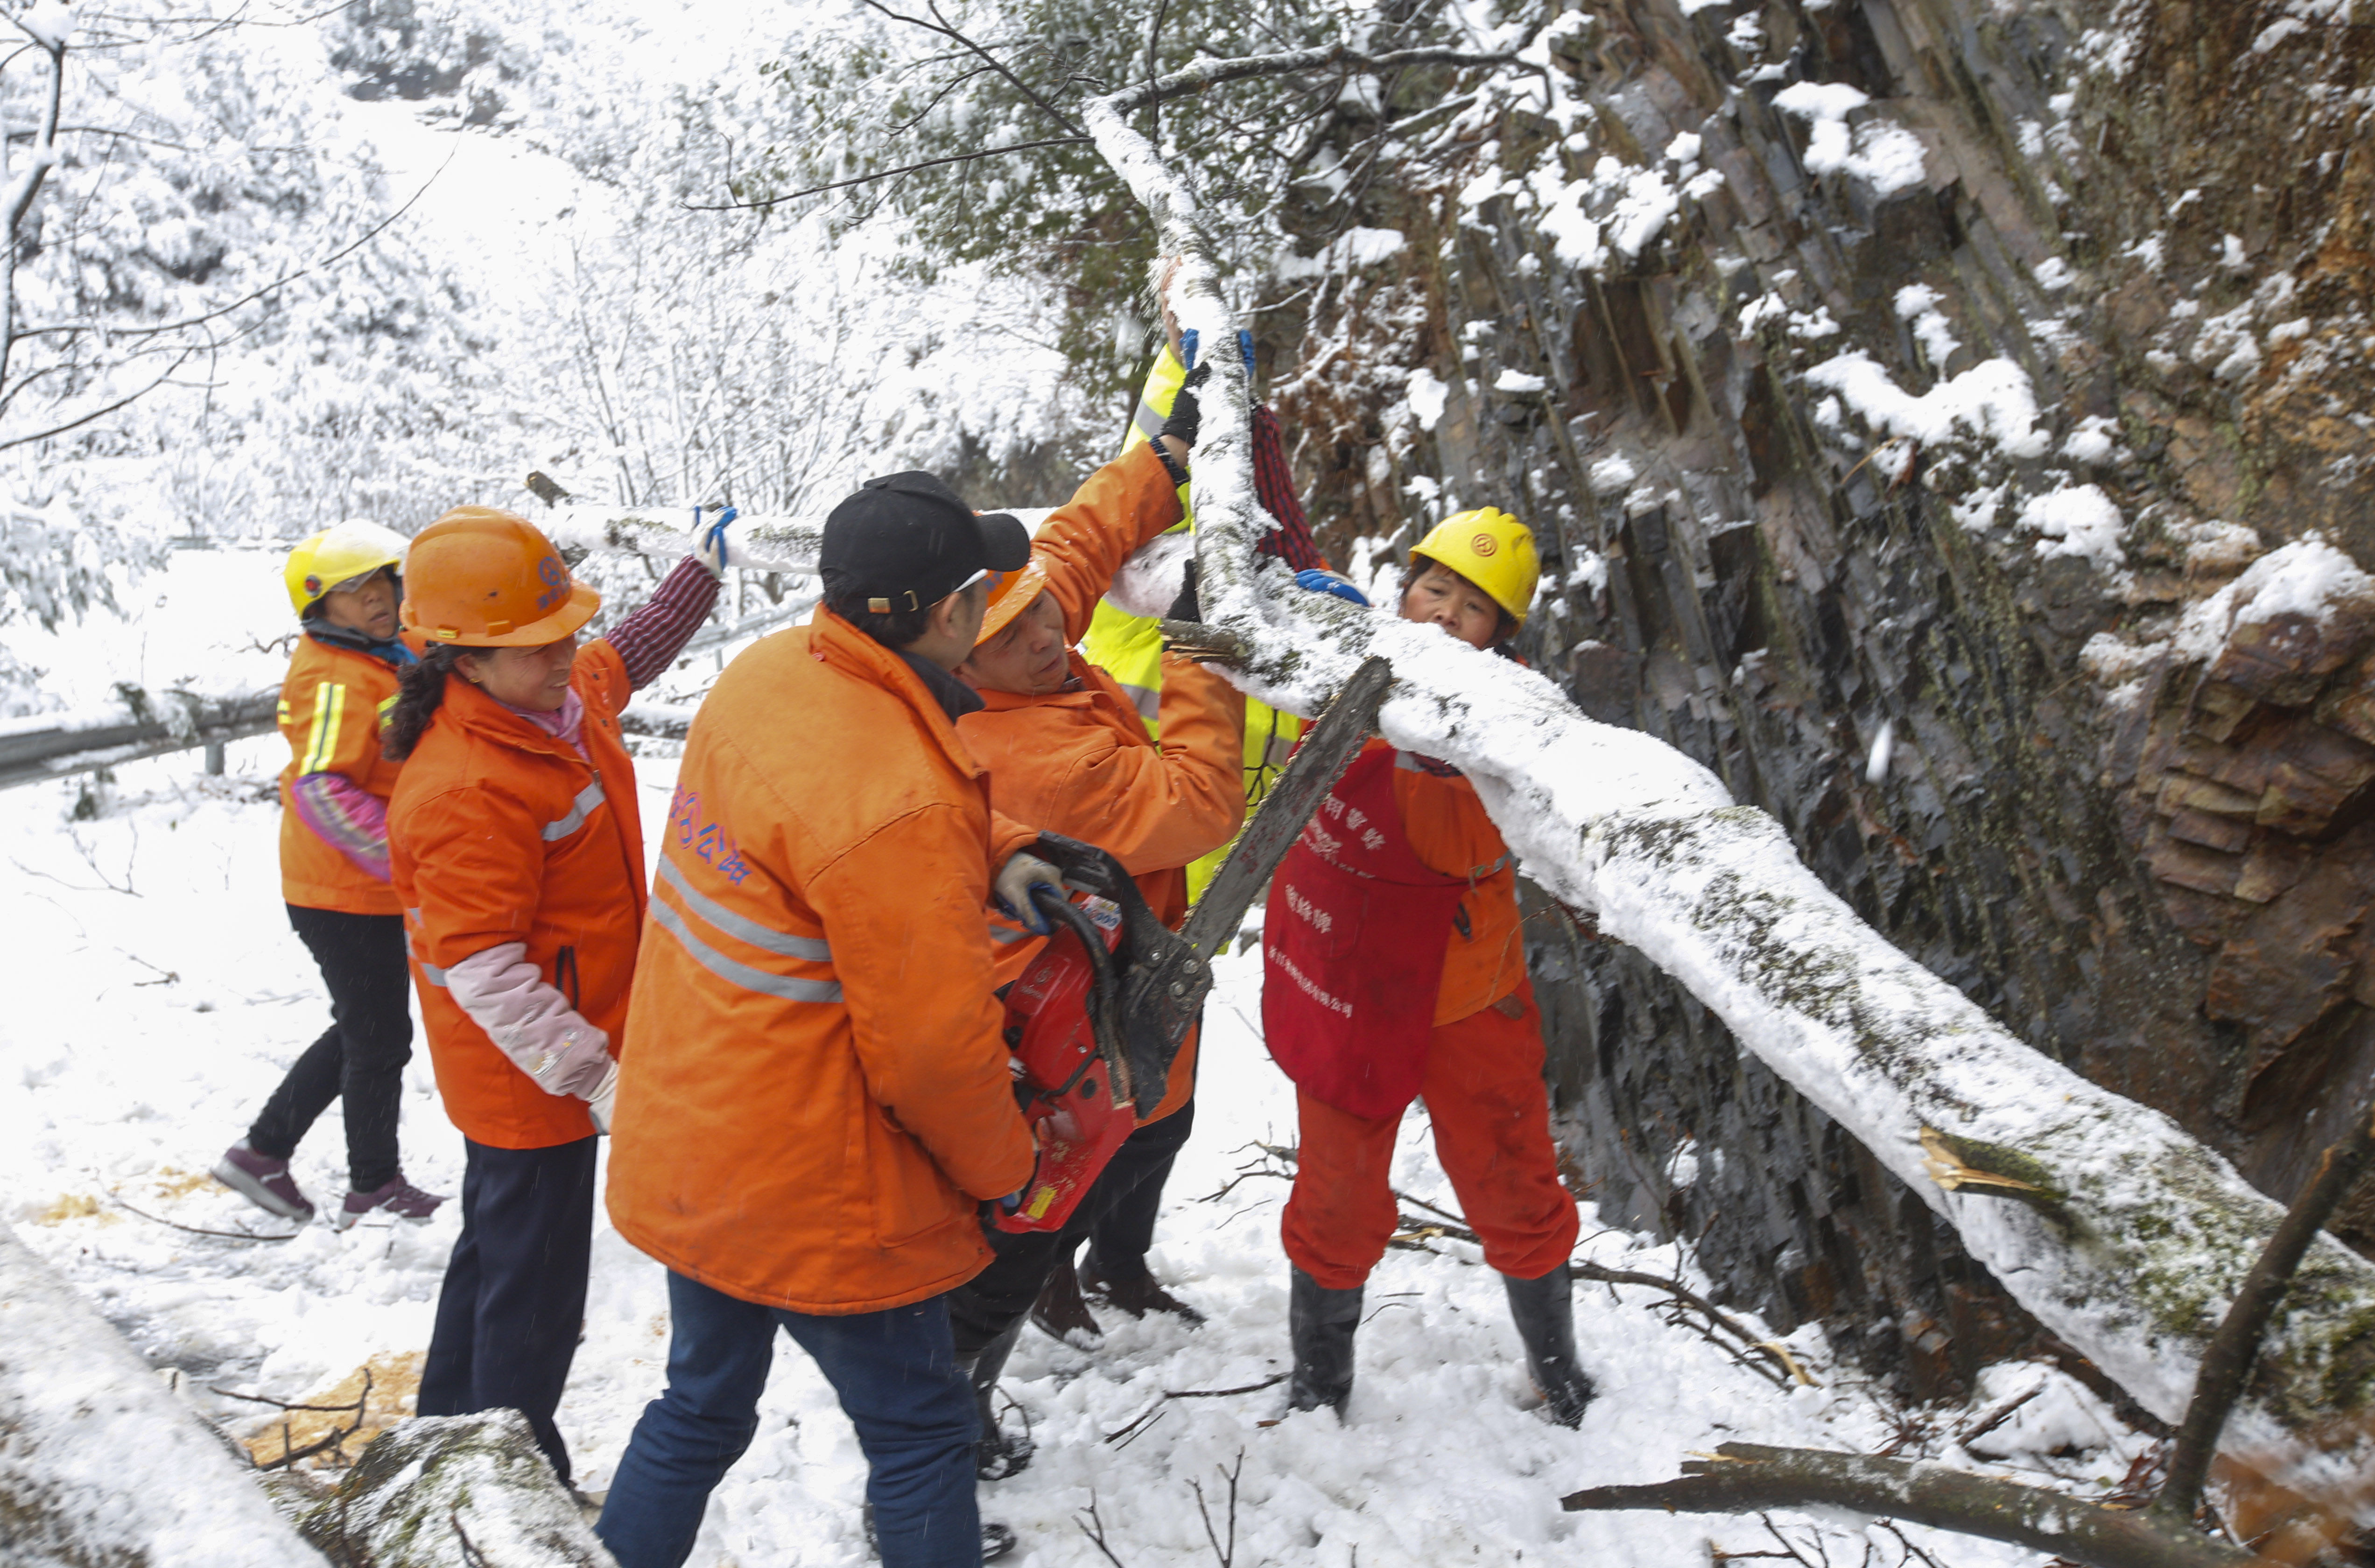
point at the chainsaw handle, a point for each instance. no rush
(1094, 870)
(1104, 987)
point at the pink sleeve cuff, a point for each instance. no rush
(346, 816)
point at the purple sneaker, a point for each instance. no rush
(396, 1196)
(263, 1181)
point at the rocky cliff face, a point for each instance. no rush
(1903, 391)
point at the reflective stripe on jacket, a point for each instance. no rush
(1129, 647)
(818, 1093)
(499, 831)
(1079, 762)
(332, 702)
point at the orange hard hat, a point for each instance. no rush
(1014, 594)
(485, 578)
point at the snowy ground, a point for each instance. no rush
(159, 995)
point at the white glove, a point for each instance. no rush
(604, 1097)
(709, 544)
(1022, 872)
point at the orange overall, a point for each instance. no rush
(1480, 1070)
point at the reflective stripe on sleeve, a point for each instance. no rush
(322, 739)
(665, 915)
(1146, 420)
(429, 972)
(742, 928)
(579, 809)
(1147, 699)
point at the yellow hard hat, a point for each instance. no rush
(1492, 550)
(338, 558)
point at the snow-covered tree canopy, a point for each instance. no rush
(904, 108)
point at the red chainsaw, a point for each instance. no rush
(1096, 1021)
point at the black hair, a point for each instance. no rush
(1416, 567)
(420, 692)
(894, 628)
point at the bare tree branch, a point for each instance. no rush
(2227, 1363)
(940, 25)
(879, 174)
(1741, 1477)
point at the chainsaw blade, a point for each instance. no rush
(1328, 749)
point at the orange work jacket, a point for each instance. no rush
(1485, 956)
(819, 1093)
(332, 702)
(1078, 762)
(500, 832)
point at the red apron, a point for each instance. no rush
(1353, 946)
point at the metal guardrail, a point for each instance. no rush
(154, 724)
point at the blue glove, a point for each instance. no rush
(1319, 580)
(711, 545)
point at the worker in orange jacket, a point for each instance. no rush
(1395, 967)
(334, 876)
(1068, 749)
(518, 853)
(819, 1097)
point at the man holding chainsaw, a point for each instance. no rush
(819, 1097)
(1067, 749)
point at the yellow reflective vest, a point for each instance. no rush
(1129, 647)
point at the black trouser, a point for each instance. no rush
(360, 1057)
(1118, 1212)
(514, 1297)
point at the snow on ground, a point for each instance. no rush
(159, 995)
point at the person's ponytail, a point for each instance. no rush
(420, 692)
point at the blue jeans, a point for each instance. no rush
(898, 1383)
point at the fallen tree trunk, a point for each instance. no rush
(2119, 1232)
(754, 544)
(101, 1464)
(155, 724)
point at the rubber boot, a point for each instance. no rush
(1321, 1322)
(1545, 1311)
(997, 1454)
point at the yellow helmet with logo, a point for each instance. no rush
(1492, 550)
(339, 558)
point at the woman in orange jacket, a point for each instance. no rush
(334, 876)
(1395, 967)
(518, 856)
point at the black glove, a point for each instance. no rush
(1187, 418)
(1184, 607)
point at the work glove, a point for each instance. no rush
(1185, 606)
(1012, 887)
(580, 1065)
(603, 1099)
(1187, 418)
(1319, 580)
(709, 545)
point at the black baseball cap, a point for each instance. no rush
(907, 540)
